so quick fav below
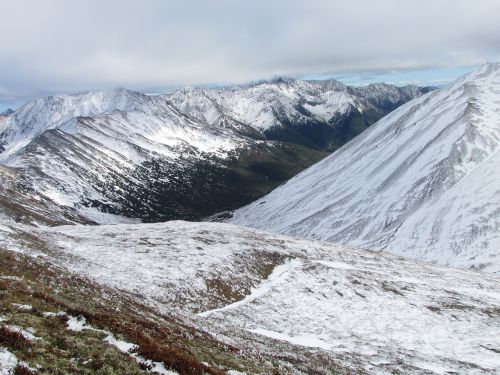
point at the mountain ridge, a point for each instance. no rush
(370, 192)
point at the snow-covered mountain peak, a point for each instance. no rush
(50, 112)
(422, 182)
(487, 74)
(271, 106)
(7, 112)
(490, 66)
(329, 84)
(282, 80)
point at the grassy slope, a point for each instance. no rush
(175, 340)
(181, 347)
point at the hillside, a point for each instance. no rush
(422, 182)
(137, 156)
(274, 303)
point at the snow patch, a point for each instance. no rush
(278, 274)
(8, 362)
(302, 340)
(21, 306)
(78, 324)
(50, 314)
(28, 333)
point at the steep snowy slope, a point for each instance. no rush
(17, 203)
(423, 182)
(313, 305)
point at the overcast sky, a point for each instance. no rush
(69, 45)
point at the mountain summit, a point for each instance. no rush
(422, 182)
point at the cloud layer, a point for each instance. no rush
(61, 45)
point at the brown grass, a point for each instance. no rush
(150, 340)
(174, 358)
(23, 370)
(161, 338)
(14, 339)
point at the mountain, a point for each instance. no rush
(422, 182)
(135, 155)
(19, 202)
(184, 155)
(318, 114)
(7, 112)
(226, 297)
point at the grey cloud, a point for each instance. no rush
(60, 45)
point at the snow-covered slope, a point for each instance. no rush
(33, 118)
(136, 155)
(311, 304)
(284, 102)
(17, 203)
(423, 182)
(287, 101)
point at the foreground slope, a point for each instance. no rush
(313, 307)
(55, 322)
(422, 182)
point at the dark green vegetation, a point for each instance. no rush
(327, 137)
(159, 190)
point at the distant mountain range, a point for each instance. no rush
(7, 112)
(187, 154)
(423, 182)
(317, 114)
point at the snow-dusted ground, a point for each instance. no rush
(423, 182)
(380, 311)
(79, 324)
